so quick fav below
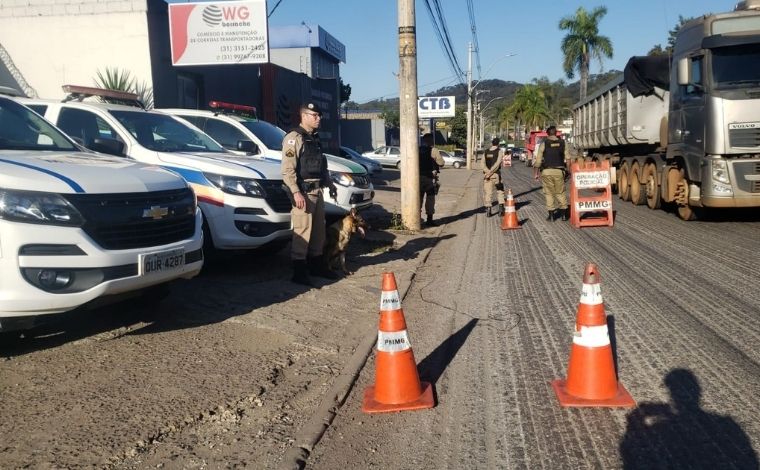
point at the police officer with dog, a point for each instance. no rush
(550, 163)
(492, 177)
(430, 162)
(304, 173)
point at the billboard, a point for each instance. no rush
(214, 33)
(435, 106)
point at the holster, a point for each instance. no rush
(290, 194)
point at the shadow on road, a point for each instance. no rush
(681, 435)
(432, 367)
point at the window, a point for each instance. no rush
(696, 76)
(85, 126)
(163, 133)
(38, 108)
(395, 151)
(224, 133)
(381, 151)
(197, 121)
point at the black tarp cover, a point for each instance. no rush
(643, 73)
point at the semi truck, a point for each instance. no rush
(684, 130)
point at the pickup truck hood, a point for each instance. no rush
(224, 164)
(333, 163)
(75, 172)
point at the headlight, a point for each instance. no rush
(720, 171)
(38, 208)
(343, 179)
(236, 185)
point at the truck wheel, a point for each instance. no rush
(637, 192)
(685, 211)
(652, 188)
(624, 189)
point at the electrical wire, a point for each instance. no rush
(442, 34)
(473, 28)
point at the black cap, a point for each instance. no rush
(495, 141)
(309, 106)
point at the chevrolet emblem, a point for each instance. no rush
(155, 212)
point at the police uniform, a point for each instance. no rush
(430, 161)
(550, 159)
(492, 178)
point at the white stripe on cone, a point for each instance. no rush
(510, 208)
(389, 300)
(591, 294)
(396, 341)
(592, 336)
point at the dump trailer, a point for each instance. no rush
(684, 130)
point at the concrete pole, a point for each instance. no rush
(409, 122)
(468, 151)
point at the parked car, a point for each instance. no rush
(236, 127)
(452, 160)
(518, 153)
(372, 167)
(386, 156)
(79, 226)
(241, 199)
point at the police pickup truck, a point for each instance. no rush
(76, 226)
(241, 198)
(237, 129)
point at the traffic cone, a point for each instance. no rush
(591, 379)
(509, 221)
(397, 384)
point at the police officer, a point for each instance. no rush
(304, 172)
(430, 161)
(550, 162)
(492, 177)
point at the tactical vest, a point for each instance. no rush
(427, 164)
(554, 154)
(492, 155)
(310, 165)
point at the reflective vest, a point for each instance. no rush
(554, 154)
(427, 164)
(492, 155)
(311, 164)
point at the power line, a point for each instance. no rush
(471, 11)
(274, 8)
(442, 34)
(451, 80)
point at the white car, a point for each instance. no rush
(387, 155)
(241, 199)
(76, 226)
(449, 159)
(236, 128)
(372, 167)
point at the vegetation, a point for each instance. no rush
(657, 49)
(583, 43)
(122, 80)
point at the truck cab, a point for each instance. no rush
(237, 128)
(241, 198)
(77, 226)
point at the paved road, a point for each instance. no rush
(490, 317)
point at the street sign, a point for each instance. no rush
(435, 106)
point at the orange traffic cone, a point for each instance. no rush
(509, 221)
(591, 379)
(397, 383)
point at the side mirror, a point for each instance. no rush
(247, 146)
(684, 71)
(109, 146)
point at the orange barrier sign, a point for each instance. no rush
(590, 195)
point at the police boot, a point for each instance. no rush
(488, 211)
(431, 223)
(565, 214)
(301, 273)
(501, 210)
(318, 267)
(550, 216)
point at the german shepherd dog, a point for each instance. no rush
(338, 236)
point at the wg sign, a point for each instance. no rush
(212, 33)
(435, 106)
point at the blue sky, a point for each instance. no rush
(368, 28)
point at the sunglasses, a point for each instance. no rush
(314, 115)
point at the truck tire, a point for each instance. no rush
(637, 191)
(684, 210)
(652, 189)
(624, 188)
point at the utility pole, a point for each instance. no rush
(468, 152)
(408, 117)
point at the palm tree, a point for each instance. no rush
(583, 42)
(122, 80)
(529, 107)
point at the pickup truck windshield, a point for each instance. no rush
(271, 136)
(23, 129)
(736, 66)
(163, 133)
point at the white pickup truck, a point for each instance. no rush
(236, 128)
(241, 198)
(76, 226)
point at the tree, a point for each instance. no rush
(121, 80)
(392, 117)
(458, 125)
(529, 107)
(657, 49)
(345, 91)
(583, 43)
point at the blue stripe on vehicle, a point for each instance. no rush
(191, 176)
(66, 180)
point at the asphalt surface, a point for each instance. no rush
(239, 368)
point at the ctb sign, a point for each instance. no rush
(435, 106)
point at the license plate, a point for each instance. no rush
(161, 262)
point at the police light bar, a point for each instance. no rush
(81, 92)
(221, 105)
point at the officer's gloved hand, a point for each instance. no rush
(333, 192)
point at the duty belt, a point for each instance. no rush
(307, 186)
